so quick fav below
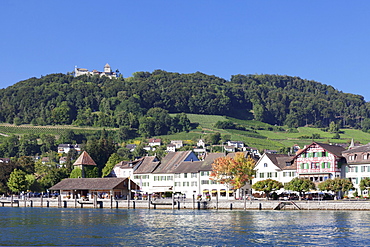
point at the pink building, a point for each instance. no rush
(320, 162)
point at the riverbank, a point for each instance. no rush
(188, 204)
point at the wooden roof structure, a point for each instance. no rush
(92, 184)
(85, 160)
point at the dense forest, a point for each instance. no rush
(140, 105)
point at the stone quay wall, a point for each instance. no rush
(187, 204)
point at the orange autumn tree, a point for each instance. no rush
(235, 172)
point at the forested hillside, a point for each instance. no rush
(143, 101)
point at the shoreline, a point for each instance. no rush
(344, 205)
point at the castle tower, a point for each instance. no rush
(107, 69)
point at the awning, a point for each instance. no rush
(222, 190)
(205, 191)
(214, 191)
(231, 191)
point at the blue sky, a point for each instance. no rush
(326, 41)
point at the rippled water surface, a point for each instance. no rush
(121, 227)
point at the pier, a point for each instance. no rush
(188, 204)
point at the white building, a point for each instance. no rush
(278, 167)
(358, 166)
(107, 72)
(178, 172)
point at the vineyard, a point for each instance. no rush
(7, 129)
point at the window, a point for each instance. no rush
(265, 165)
(193, 175)
(169, 178)
(262, 175)
(177, 175)
(269, 175)
(313, 165)
(184, 184)
(275, 174)
(204, 173)
(194, 184)
(185, 175)
(204, 181)
(177, 184)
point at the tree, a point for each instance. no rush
(5, 170)
(213, 138)
(364, 184)
(333, 127)
(112, 161)
(100, 151)
(267, 186)
(300, 185)
(17, 181)
(337, 185)
(234, 172)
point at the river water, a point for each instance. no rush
(143, 227)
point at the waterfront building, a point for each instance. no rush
(88, 188)
(319, 162)
(178, 172)
(279, 167)
(358, 165)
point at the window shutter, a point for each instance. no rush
(328, 164)
(356, 168)
(322, 165)
(346, 168)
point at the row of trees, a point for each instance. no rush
(100, 101)
(302, 185)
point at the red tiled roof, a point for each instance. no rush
(84, 159)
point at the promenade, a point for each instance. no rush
(180, 204)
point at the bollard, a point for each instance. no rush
(198, 205)
(260, 206)
(178, 205)
(133, 204)
(231, 206)
(47, 204)
(116, 204)
(31, 203)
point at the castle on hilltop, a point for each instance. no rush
(107, 72)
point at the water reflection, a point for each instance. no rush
(51, 226)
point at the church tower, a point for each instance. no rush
(107, 69)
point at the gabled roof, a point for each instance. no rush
(84, 159)
(170, 162)
(128, 164)
(148, 165)
(188, 167)
(333, 149)
(209, 159)
(359, 149)
(88, 183)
